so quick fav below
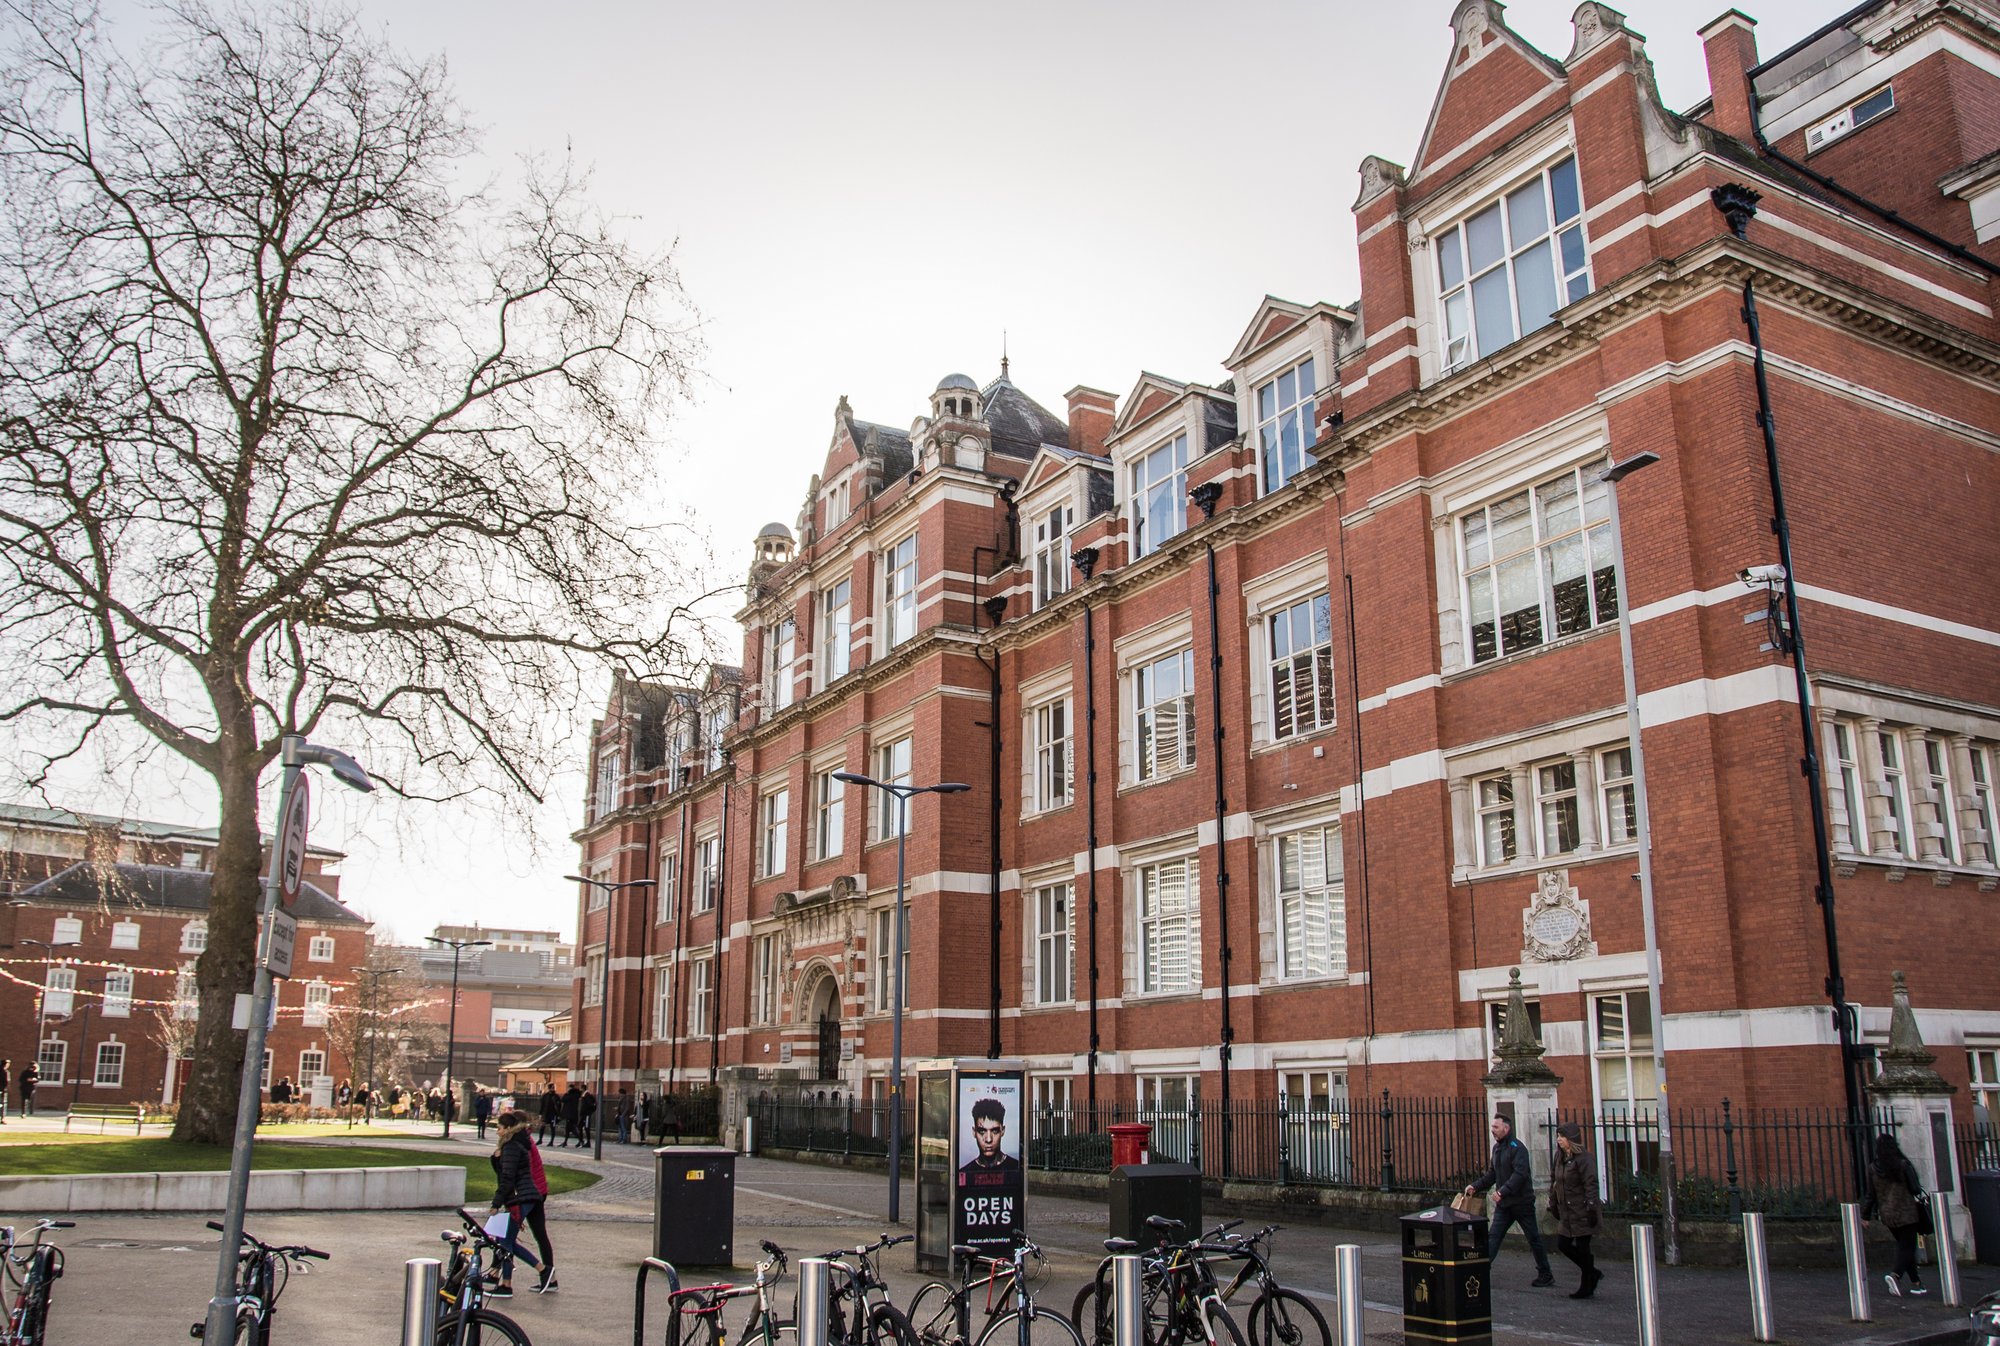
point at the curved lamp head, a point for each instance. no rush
(950, 787)
(344, 768)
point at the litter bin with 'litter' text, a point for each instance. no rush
(694, 1205)
(1447, 1286)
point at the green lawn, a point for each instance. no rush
(165, 1156)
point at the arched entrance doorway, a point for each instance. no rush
(824, 1014)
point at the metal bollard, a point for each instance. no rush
(815, 1296)
(1347, 1285)
(1857, 1262)
(1128, 1312)
(1944, 1249)
(1757, 1258)
(1646, 1285)
(420, 1297)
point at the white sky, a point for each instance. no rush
(865, 195)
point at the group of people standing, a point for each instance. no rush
(572, 1111)
(1895, 1196)
(26, 1081)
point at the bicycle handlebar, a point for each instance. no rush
(291, 1250)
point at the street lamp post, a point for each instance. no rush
(1669, 1199)
(903, 794)
(457, 946)
(83, 1041)
(296, 755)
(610, 891)
(374, 976)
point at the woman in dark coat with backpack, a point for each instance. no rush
(1893, 1195)
(1574, 1202)
(521, 1189)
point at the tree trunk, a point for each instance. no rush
(228, 967)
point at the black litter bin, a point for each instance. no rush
(1142, 1190)
(694, 1206)
(1982, 1203)
(1447, 1288)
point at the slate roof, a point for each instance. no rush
(167, 888)
(1020, 425)
(136, 828)
(888, 443)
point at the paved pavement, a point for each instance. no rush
(135, 1279)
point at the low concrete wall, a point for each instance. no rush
(420, 1187)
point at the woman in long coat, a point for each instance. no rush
(1574, 1202)
(1892, 1197)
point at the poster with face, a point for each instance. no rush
(988, 1191)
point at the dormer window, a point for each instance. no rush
(1052, 565)
(1504, 271)
(839, 502)
(1159, 495)
(1285, 423)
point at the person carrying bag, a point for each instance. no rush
(1897, 1196)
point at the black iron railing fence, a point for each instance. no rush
(1788, 1163)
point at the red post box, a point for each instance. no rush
(1129, 1143)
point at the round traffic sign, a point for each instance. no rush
(292, 842)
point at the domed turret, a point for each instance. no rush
(956, 398)
(773, 548)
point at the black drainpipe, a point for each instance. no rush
(676, 1026)
(1085, 560)
(994, 607)
(1360, 786)
(1206, 496)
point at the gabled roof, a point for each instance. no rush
(1020, 425)
(1055, 461)
(144, 887)
(1152, 394)
(1274, 318)
(1491, 66)
(69, 820)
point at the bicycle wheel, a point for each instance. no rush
(1220, 1324)
(1046, 1327)
(1287, 1318)
(481, 1327)
(1090, 1315)
(933, 1314)
(33, 1306)
(249, 1327)
(886, 1326)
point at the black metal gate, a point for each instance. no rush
(829, 1048)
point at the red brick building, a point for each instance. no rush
(97, 949)
(1291, 703)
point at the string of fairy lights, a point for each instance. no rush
(101, 994)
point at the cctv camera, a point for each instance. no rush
(1761, 577)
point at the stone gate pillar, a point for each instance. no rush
(1920, 1101)
(1521, 1085)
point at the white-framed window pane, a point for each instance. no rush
(1163, 700)
(777, 817)
(892, 767)
(117, 995)
(1938, 785)
(68, 930)
(781, 650)
(829, 815)
(1159, 495)
(1055, 932)
(110, 1072)
(1538, 564)
(668, 892)
(1556, 807)
(1284, 408)
(708, 874)
(899, 590)
(701, 992)
(1620, 807)
(1312, 904)
(836, 630)
(319, 949)
(194, 937)
(593, 977)
(125, 935)
(1169, 926)
(663, 1001)
(1052, 754)
(1494, 797)
(1512, 264)
(1052, 565)
(1982, 799)
(312, 1065)
(1898, 796)
(1301, 652)
(604, 798)
(319, 1000)
(59, 994)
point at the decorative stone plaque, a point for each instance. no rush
(1556, 925)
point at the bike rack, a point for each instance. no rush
(646, 1269)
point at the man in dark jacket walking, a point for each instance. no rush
(551, 1109)
(1512, 1178)
(572, 1112)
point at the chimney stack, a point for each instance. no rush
(1730, 44)
(1090, 414)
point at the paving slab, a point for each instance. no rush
(135, 1279)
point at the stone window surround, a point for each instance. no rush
(1183, 845)
(1869, 710)
(1266, 829)
(881, 734)
(1033, 694)
(1509, 169)
(1129, 653)
(1582, 740)
(1264, 596)
(823, 764)
(1031, 885)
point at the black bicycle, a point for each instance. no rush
(858, 1309)
(1278, 1317)
(262, 1272)
(1181, 1299)
(462, 1318)
(942, 1315)
(33, 1271)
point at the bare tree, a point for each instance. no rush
(380, 1021)
(298, 435)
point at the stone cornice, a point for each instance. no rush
(1717, 264)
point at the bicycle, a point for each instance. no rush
(1278, 1317)
(34, 1272)
(1012, 1316)
(262, 1272)
(462, 1318)
(872, 1320)
(1181, 1299)
(702, 1304)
